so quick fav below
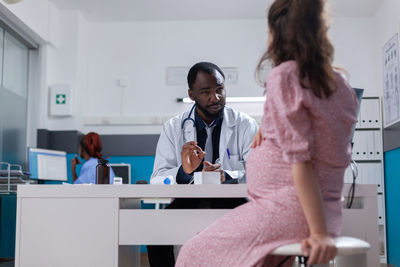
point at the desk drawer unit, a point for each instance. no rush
(164, 227)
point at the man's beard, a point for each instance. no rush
(212, 116)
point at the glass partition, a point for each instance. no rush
(13, 99)
(1, 91)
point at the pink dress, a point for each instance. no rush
(297, 126)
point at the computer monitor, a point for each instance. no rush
(46, 164)
(122, 170)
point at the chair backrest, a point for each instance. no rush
(351, 245)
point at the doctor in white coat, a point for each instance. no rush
(208, 137)
(179, 136)
(237, 131)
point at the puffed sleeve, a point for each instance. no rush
(289, 117)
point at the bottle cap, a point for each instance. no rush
(167, 181)
(102, 161)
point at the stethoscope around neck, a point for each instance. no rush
(188, 118)
(193, 122)
(185, 121)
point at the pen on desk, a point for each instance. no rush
(229, 154)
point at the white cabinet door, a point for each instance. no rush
(67, 232)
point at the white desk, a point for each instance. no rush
(100, 225)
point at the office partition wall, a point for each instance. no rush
(13, 117)
(1, 90)
(13, 98)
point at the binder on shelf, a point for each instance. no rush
(376, 115)
(357, 154)
(370, 113)
(373, 173)
(367, 145)
(363, 145)
(354, 147)
(368, 173)
(378, 144)
(364, 113)
(358, 123)
(370, 145)
(381, 213)
(378, 174)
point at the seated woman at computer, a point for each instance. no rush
(90, 150)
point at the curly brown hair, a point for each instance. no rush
(91, 143)
(300, 32)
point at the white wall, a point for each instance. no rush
(353, 39)
(91, 56)
(31, 16)
(56, 61)
(65, 65)
(141, 52)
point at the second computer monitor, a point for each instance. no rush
(122, 170)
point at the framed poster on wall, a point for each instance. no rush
(391, 81)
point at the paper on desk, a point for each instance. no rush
(207, 178)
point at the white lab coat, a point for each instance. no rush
(237, 132)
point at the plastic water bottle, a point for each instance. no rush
(165, 180)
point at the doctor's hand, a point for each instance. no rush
(209, 167)
(257, 139)
(192, 155)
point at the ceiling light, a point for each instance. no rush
(234, 99)
(12, 1)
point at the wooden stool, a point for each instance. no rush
(352, 252)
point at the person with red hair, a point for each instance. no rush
(90, 150)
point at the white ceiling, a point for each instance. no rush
(134, 10)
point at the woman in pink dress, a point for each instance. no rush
(295, 170)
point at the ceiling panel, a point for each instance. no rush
(134, 10)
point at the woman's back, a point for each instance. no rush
(295, 170)
(297, 127)
(322, 126)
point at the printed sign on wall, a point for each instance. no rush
(391, 81)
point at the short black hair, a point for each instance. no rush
(206, 67)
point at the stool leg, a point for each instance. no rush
(359, 260)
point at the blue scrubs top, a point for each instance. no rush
(88, 173)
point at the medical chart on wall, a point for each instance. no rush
(391, 80)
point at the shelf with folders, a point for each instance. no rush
(367, 153)
(367, 149)
(10, 176)
(370, 115)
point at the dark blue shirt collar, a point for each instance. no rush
(200, 124)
